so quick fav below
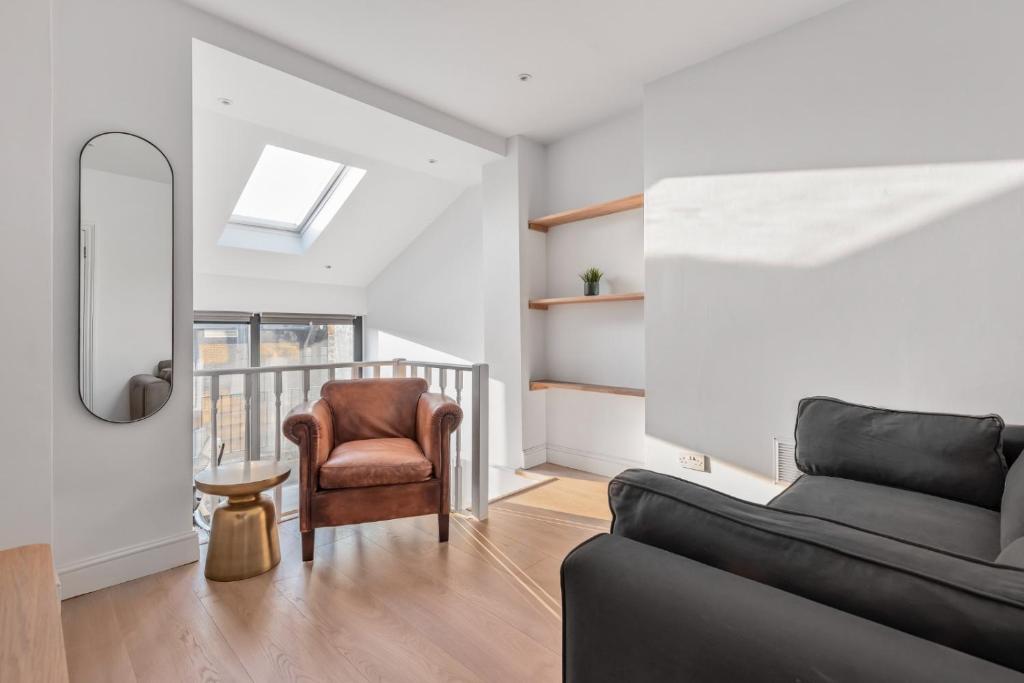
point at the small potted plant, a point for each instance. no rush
(591, 281)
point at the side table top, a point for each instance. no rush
(242, 478)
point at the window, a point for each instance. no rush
(219, 345)
(306, 343)
(225, 340)
(288, 200)
(285, 189)
(222, 340)
(247, 411)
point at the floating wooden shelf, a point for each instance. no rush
(542, 304)
(538, 384)
(542, 224)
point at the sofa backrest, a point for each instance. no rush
(953, 456)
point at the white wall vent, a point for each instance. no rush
(784, 454)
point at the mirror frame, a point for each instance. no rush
(78, 260)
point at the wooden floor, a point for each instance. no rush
(381, 601)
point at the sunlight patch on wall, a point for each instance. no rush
(722, 475)
(806, 219)
(383, 345)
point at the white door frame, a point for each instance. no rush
(86, 308)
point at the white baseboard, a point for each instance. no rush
(535, 455)
(588, 461)
(125, 564)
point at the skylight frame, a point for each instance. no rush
(298, 229)
(244, 232)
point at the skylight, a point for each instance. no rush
(286, 190)
(288, 201)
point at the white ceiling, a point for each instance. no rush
(589, 58)
(399, 196)
(274, 99)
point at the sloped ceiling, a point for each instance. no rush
(401, 194)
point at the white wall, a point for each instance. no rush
(532, 178)
(427, 304)
(123, 492)
(511, 191)
(600, 344)
(597, 344)
(26, 293)
(264, 295)
(503, 309)
(837, 241)
(131, 282)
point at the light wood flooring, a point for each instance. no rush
(382, 601)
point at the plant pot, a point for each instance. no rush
(591, 288)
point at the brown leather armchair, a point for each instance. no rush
(370, 450)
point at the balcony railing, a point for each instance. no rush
(240, 410)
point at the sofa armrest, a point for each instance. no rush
(437, 416)
(146, 395)
(632, 612)
(311, 427)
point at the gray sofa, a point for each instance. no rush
(897, 556)
(148, 393)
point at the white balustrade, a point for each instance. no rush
(252, 401)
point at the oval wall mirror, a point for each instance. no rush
(125, 277)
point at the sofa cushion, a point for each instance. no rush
(908, 515)
(952, 456)
(375, 462)
(970, 605)
(1012, 521)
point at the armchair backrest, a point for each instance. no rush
(374, 408)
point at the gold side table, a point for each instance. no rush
(243, 530)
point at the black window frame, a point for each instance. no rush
(254, 320)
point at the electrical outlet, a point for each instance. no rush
(694, 461)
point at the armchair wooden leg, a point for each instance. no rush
(442, 528)
(307, 545)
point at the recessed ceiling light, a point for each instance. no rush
(524, 77)
(328, 267)
(431, 161)
(226, 101)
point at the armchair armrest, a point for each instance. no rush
(311, 427)
(437, 416)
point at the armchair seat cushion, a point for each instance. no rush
(919, 518)
(375, 462)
